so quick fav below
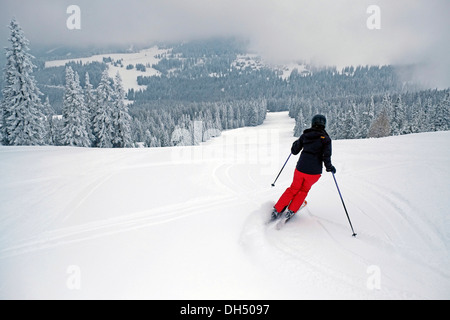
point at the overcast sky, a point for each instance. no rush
(332, 32)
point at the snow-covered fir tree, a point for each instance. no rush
(387, 108)
(418, 119)
(367, 118)
(381, 126)
(23, 118)
(253, 116)
(428, 107)
(230, 122)
(103, 122)
(300, 124)
(350, 124)
(50, 129)
(441, 114)
(398, 121)
(165, 139)
(209, 126)
(1, 122)
(121, 117)
(217, 124)
(240, 121)
(151, 141)
(183, 133)
(90, 100)
(75, 115)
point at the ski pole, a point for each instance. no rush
(273, 184)
(354, 234)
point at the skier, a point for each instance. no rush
(316, 145)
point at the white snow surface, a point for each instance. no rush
(189, 222)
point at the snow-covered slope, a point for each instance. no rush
(189, 222)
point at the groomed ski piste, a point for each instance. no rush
(190, 222)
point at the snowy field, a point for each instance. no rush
(189, 222)
(146, 57)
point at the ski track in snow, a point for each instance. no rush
(313, 256)
(108, 227)
(125, 223)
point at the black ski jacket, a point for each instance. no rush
(316, 146)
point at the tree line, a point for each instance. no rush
(97, 118)
(377, 115)
(175, 123)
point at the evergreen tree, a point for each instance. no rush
(165, 138)
(418, 119)
(240, 121)
(386, 107)
(429, 122)
(381, 126)
(230, 118)
(350, 129)
(217, 124)
(90, 100)
(300, 124)
(151, 141)
(1, 122)
(50, 129)
(103, 122)
(252, 116)
(23, 119)
(398, 121)
(75, 116)
(121, 117)
(332, 122)
(441, 116)
(367, 118)
(183, 133)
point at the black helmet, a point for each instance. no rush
(319, 121)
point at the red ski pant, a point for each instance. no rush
(295, 195)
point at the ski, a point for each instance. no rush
(272, 219)
(281, 216)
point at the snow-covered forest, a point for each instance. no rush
(377, 116)
(97, 118)
(202, 88)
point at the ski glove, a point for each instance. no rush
(331, 169)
